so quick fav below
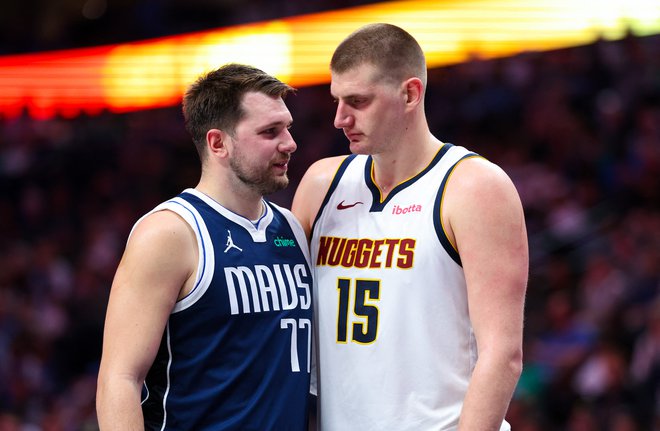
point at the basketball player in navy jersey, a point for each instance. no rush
(420, 255)
(208, 324)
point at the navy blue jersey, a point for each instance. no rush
(235, 354)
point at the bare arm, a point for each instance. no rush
(158, 266)
(312, 190)
(486, 224)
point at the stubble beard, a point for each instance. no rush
(259, 181)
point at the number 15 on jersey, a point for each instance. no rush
(360, 324)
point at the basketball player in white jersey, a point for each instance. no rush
(209, 319)
(420, 257)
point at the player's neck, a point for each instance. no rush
(245, 203)
(406, 160)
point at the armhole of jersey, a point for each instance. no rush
(206, 262)
(437, 211)
(333, 185)
(296, 228)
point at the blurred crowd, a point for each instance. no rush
(39, 25)
(577, 129)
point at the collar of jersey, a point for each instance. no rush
(256, 229)
(377, 202)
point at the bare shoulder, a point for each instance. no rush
(161, 227)
(479, 195)
(324, 170)
(313, 188)
(162, 246)
(478, 177)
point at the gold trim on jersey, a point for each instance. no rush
(372, 174)
(442, 198)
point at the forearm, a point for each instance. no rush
(118, 405)
(489, 393)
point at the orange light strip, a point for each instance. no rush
(154, 73)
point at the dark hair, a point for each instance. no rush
(214, 100)
(393, 51)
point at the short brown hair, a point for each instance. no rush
(392, 50)
(214, 100)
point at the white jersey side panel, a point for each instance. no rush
(396, 347)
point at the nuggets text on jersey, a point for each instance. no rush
(366, 252)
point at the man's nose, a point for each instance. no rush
(343, 117)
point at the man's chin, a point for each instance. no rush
(358, 147)
(276, 185)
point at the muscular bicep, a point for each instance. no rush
(487, 226)
(159, 261)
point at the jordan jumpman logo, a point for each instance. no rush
(230, 243)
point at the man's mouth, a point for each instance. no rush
(353, 136)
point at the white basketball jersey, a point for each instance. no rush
(395, 344)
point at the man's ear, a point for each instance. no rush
(414, 91)
(216, 142)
